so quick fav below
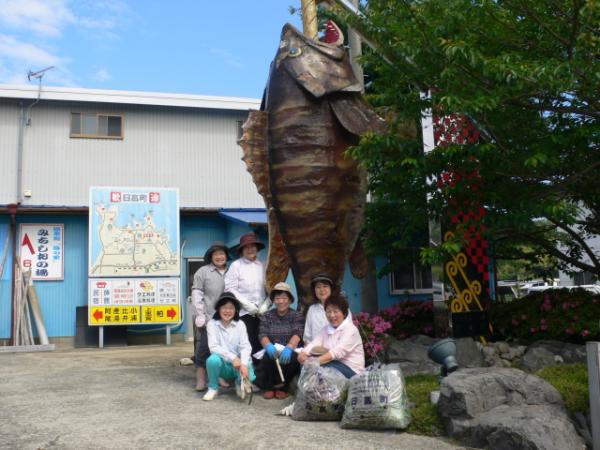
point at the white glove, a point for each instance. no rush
(264, 306)
(200, 320)
(251, 308)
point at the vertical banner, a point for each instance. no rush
(41, 249)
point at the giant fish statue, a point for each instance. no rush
(294, 148)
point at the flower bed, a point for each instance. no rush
(409, 318)
(554, 314)
(405, 319)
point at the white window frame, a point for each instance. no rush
(416, 276)
(96, 135)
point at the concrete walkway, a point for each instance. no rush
(139, 397)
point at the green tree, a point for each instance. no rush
(527, 74)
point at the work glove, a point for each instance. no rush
(286, 356)
(271, 351)
(264, 306)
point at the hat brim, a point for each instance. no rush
(259, 245)
(214, 248)
(274, 292)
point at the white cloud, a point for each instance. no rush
(43, 17)
(102, 75)
(13, 49)
(226, 57)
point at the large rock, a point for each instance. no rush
(468, 353)
(549, 353)
(502, 409)
(540, 427)
(537, 357)
(411, 354)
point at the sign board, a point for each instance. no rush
(41, 250)
(133, 301)
(133, 232)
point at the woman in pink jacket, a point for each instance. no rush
(341, 340)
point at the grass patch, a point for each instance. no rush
(571, 380)
(425, 418)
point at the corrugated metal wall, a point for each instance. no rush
(9, 125)
(193, 149)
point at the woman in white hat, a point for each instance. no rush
(246, 280)
(280, 327)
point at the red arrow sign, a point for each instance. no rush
(27, 242)
(97, 314)
(171, 313)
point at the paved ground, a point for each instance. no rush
(139, 397)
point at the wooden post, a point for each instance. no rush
(309, 18)
(593, 360)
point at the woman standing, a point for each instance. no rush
(230, 349)
(340, 338)
(246, 280)
(209, 284)
(281, 326)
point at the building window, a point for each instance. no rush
(410, 276)
(90, 125)
(583, 278)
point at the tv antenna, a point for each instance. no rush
(39, 74)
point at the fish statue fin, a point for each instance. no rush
(358, 260)
(254, 145)
(277, 260)
(355, 115)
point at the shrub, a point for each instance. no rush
(557, 314)
(410, 317)
(373, 331)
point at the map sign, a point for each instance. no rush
(131, 301)
(134, 232)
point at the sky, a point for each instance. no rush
(204, 47)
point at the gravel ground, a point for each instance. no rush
(139, 397)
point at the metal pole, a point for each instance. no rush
(168, 332)
(101, 337)
(309, 18)
(593, 360)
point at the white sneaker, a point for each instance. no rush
(210, 394)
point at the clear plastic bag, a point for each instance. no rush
(321, 394)
(377, 400)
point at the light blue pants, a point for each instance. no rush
(217, 367)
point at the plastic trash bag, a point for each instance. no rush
(321, 394)
(377, 400)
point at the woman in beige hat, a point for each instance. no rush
(246, 280)
(280, 333)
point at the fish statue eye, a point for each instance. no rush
(295, 52)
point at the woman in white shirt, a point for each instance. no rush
(246, 280)
(322, 288)
(230, 349)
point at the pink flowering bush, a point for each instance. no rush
(554, 314)
(410, 317)
(373, 331)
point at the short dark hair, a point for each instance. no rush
(227, 297)
(339, 301)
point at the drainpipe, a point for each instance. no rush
(12, 210)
